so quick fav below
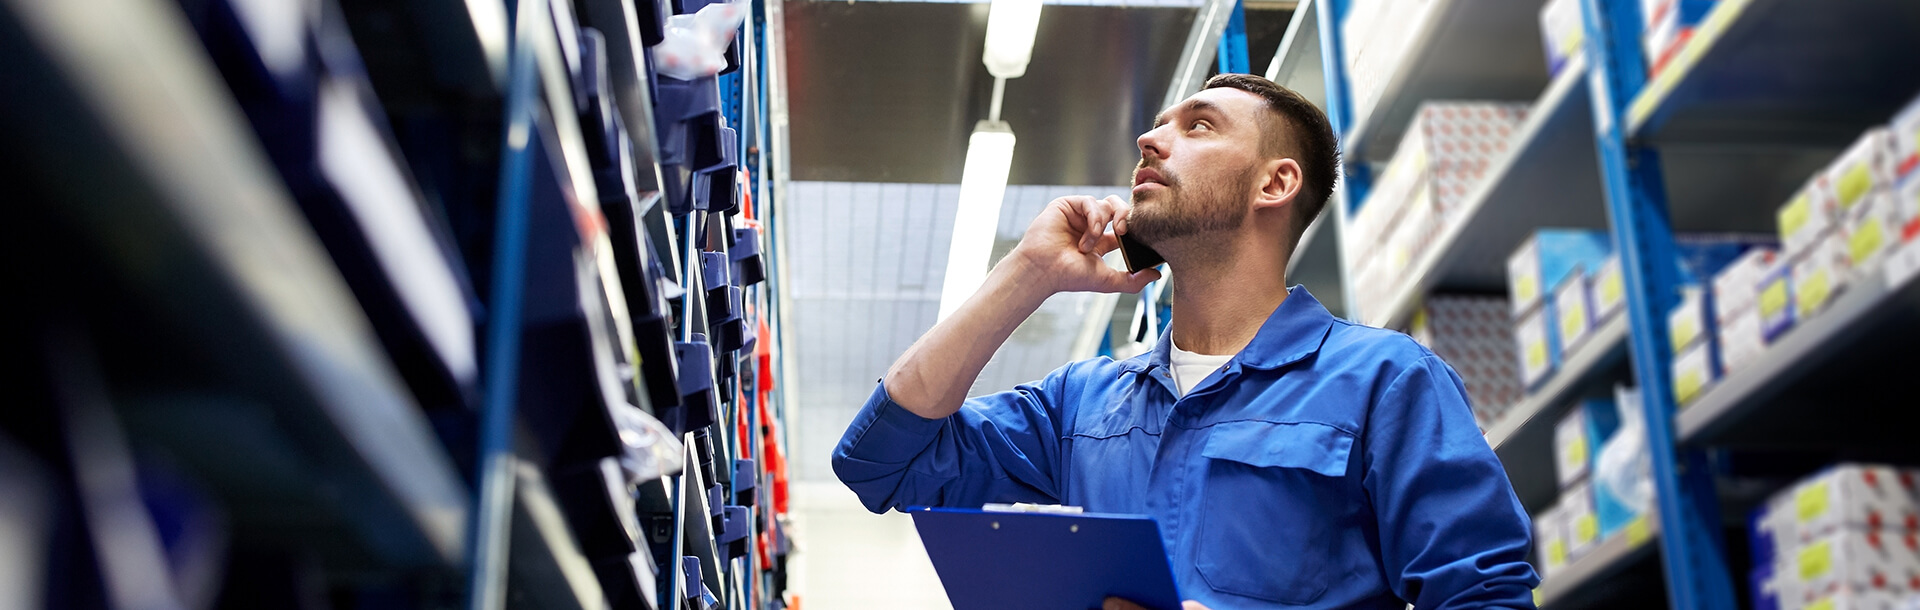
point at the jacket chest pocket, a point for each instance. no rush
(1273, 495)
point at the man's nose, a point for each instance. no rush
(1151, 144)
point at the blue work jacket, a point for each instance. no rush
(1327, 465)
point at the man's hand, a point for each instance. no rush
(1062, 248)
(1115, 603)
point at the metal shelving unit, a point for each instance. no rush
(1526, 431)
(166, 149)
(1551, 162)
(1764, 93)
(1810, 376)
(1613, 556)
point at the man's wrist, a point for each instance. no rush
(1020, 281)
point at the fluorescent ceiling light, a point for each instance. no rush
(982, 187)
(1010, 28)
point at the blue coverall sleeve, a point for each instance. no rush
(1003, 447)
(1452, 533)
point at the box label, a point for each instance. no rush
(1684, 333)
(1585, 529)
(1816, 560)
(1795, 215)
(1814, 292)
(1853, 185)
(1576, 452)
(1527, 289)
(1865, 241)
(1825, 603)
(1612, 289)
(1773, 299)
(1573, 322)
(1537, 355)
(1688, 386)
(1556, 552)
(1811, 502)
(1638, 531)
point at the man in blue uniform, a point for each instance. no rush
(1292, 459)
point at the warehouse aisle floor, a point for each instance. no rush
(851, 559)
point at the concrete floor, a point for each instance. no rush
(851, 559)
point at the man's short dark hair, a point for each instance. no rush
(1307, 138)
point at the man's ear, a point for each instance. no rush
(1280, 183)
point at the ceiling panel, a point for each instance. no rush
(889, 91)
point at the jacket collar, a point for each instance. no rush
(1294, 330)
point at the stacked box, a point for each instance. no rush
(1846, 535)
(1375, 37)
(1609, 290)
(1689, 332)
(1864, 184)
(1472, 334)
(1443, 157)
(1573, 311)
(1808, 218)
(1533, 336)
(1547, 258)
(1550, 539)
(1906, 139)
(1666, 25)
(1736, 310)
(1692, 325)
(1774, 301)
(1562, 30)
(1583, 525)
(1819, 275)
(1578, 436)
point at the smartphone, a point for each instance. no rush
(1138, 256)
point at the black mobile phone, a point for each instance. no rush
(1137, 255)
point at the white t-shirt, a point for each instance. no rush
(1189, 368)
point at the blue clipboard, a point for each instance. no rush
(1070, 561)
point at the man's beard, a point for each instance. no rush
(1183, 210)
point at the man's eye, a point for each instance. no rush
(1200, 125)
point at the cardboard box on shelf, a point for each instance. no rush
(1874, 497)
(1550, 538)
(1774, 300)
(1906, 204)
(1609, 290)
(1666, 26)
(1906, 139)
(1474, 335)
(1865, 168)
(1819, 275)
(1849, 563)
(1538, 351)
(1577, 438)
(1807, 218)
(1548, 257)
(1740, 339)
(1687, 322)
(1873, 231)
(1583, 525)
(1562, 30)
(1693, 373)
(1573, 311)
(1736, 288)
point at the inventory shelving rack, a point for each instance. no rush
(1763, 94)
(273, 380)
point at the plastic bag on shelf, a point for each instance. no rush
(1623, 475)
(651, 450)
(696, 45)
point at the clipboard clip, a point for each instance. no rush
(1023, 507)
